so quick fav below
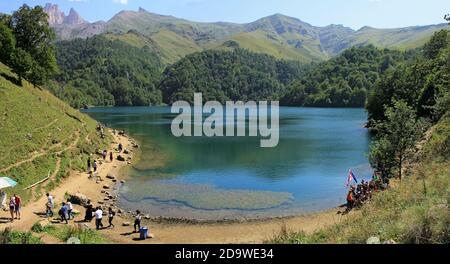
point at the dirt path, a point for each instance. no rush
(245, 232)
(43, 153)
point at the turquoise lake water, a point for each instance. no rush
(232, 177)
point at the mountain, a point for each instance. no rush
(57, 17)
(73, 25)
(42, 136)
(278, 35)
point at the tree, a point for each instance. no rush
(438, 41)
(7, 43)
(398, 135)
(21, 63)
(35, 37)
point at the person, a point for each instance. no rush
(137, 221)
(3, 198)
(350, 200)
(104, 153)
(18, 206)
(69, 210)
(63, 212)
(95, 165)
(89, 212)
(12, 206)
(111, 215)
(89, 164)
(120, 147)
(50, 203)
(98, 218)
(111, 158)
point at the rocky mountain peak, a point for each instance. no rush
(57, 17)
(73, 18)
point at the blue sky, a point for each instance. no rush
(352, 13)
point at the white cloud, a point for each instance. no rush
(123, 2)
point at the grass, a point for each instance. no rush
(34, 123)
(63, 233)
(415, 210)
(8, 236)
(276, 45)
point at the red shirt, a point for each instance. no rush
(17, 200)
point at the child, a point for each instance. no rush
(111, 215)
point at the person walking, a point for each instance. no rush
(18, 206)
(63, 213)
(111, 215)
(95, 165)
(12, 207)
(98, 218)
(137, 221)
(89, 164)
(111, 157)
(69, 210)
(49, 205)
(89, 212)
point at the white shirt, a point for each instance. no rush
(98, 214)
(50, 199)
(69, 204)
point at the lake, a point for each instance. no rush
(232, 177)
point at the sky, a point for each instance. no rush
(351, 13)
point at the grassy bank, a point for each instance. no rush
(415, 210)
(41, 136)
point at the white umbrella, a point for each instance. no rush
(6, 182)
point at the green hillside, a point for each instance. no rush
(41, 136)
(278, 35)
(100, 71)
(228, 75)
(276, 45)
(399, 38)
(409, 99)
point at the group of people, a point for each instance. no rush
(97, 213)
(362, 192)
(15, 204)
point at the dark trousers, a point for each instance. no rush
(110, 221)
(98, 223)
(70, 214)
(64, 218)
(137, 223)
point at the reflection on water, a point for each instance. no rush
(317, 147)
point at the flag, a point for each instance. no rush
(351, 177)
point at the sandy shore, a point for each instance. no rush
(241, 232)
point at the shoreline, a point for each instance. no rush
(163, 229)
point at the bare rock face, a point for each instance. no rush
(57, 17)
(73, 18)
